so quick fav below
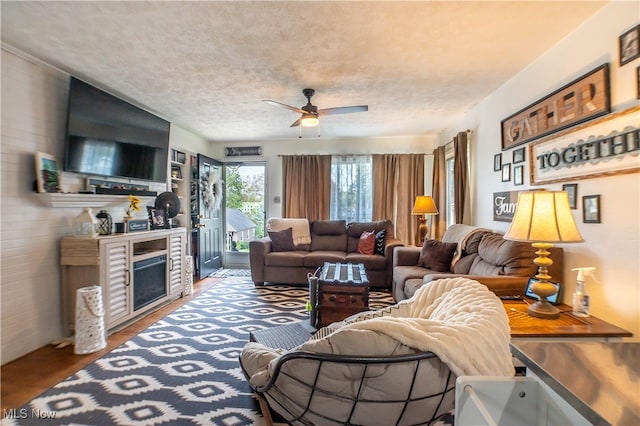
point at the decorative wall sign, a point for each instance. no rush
(579, 101)
(607, 146)
(629, 44)
(243, 151)
(504, 205)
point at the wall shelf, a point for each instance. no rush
(57, 200)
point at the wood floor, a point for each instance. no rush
(28, 376)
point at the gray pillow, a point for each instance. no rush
(437, 255)
(282, 240)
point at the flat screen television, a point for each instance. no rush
(107, 136)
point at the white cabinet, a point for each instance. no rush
(137, 272)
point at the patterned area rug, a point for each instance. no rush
(224, 273)
(183, 370)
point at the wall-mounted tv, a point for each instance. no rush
(107, 136)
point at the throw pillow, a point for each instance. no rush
(367, 242)
(282, 240)
(381, 238)
(436, 255)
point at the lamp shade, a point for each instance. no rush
(424, 204)
(543, 216)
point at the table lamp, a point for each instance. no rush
(424, 205)
(543, 218)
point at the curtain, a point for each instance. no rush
(461, 176)
(306, 186)
(439, 194)
(397, 180)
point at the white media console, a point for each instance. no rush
(137, 272)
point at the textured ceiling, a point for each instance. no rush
(206, 66)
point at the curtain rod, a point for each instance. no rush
(356, 155)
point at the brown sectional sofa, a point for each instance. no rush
(485, 256)
(331, 241)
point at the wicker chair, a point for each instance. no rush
(373, 388)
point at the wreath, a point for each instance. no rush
(212, 190)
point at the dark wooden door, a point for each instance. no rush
(210, 226)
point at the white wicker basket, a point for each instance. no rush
(90, 332)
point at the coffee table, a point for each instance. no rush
(343, 290)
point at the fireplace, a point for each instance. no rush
(149, 281)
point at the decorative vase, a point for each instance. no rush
(85, 224)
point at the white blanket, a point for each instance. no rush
(458, 319)
(299, 228)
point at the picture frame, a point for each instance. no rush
(47, 173)
(176, 172)
(518, 175)
(181, 157)
(518, 155)
(572, 190)
(629, 45)
(638, 82)
(591, 209)
(506, 172)
(157, 218)
(497, 162)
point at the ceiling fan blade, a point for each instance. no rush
(294, 109)
(297, 122)
(343, 110)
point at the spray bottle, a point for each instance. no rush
(580, 297)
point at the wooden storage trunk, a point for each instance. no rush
(343, 290)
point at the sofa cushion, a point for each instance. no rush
(328, 235)
(328, 227)
(497, 256)
(287, 258)
(282, 240)
(370, 261)
(381, 241)
(316, 259)
(437, 255)
(367, 242)
(355, 229)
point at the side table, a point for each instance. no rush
(524, 326)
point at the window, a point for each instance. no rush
(351, 188)
(451, 190)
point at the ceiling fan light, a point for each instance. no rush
(309, 120)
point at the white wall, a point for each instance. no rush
(313, 145)
(34, 103)
(612, 246)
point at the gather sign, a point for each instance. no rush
(579, 101)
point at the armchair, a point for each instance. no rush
(397, 365)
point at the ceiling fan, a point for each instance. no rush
(311, 113)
